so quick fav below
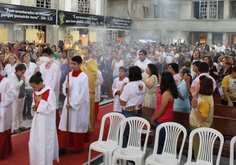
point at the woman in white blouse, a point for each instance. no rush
(116, 63)
(30, 70)
(10, 67)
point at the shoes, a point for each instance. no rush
(62, 151)
(23, 129)
(24, 118)
(30, 117)
(17, 131)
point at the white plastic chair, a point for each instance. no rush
(207, 138)
(232, 142)
(133, 150)
(169, 153)
(111, 144)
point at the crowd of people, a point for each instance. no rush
(32, 80)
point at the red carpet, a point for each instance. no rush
(20, 154)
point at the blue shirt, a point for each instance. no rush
(182, 104)
(64, 72)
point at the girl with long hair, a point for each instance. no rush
(164, 110)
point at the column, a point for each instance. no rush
(130, 9)
(226, 9)
(10, 32)
(52, 34)
(225, 38)
(209, 38)
(68, 5)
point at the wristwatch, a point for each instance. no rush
(195, 109)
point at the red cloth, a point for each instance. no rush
(96, 110)
(168, 113)
(5, 143)
(44, 97)
(48, 65)
(76, 74)
(122, 78)
(76, 140)
(57, 121)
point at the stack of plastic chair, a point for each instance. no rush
(111, 144)
(207, 138)
(231, 159)
(133, 151)
(169, 153)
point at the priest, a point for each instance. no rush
(51, 74)
(79, 109)
(7, 96)
(90, 68)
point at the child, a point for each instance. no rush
(98, 93)
(187, 64)
(116, 87)
(43, 143)
(133, 58)
(195, 69)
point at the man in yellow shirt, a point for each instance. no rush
(90, 68)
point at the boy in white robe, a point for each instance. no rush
(7, 96)
(43, 143)
(116, 87)
(98, 93)
(51, 75)
(79, 109)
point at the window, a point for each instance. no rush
(208, 9)
(145, 12)
(114, 36)
(87, 6)
(43, 3)
(232, 9)
(154, 11)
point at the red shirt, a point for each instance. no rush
(168, 113)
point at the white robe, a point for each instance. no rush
(115, 87)
(43, 143)
(98, 86)
(52, 77)
(79, 121)
(8, 95)
(143, 65)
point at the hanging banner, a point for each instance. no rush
(118, 23)
(25, 14)
(79, 19)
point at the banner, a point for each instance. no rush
(118, 23)
(79, 19)
(25, 14)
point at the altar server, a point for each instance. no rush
(79, 109)
(116, 87)
(43, 143)
(98, 93)
(51, 75)
(7, 96)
